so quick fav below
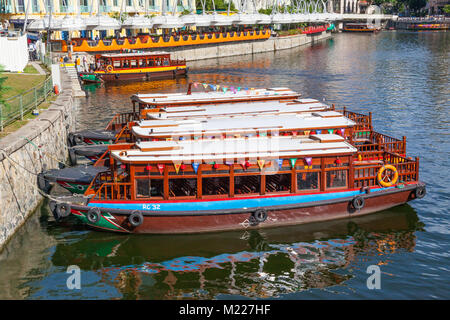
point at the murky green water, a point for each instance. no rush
(402, 77)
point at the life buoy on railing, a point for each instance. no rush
(381, 178)
(109, 68)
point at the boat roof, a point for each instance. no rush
(232, 150)
(232, 125)
(238, 109)
(214, 96)
(136, 54)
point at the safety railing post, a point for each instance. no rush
(21, 107)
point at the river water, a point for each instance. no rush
(402, 77)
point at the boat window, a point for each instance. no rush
(308, 180)
(215, 186)
(182, 187)
(126, 64)
(336, 179)
(166, 62)
(247, 184)
(148, 188)
(278, 182)
(151, 62)
(116, 64)
(133, 63)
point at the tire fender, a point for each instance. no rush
(93, 215)
(136, 219)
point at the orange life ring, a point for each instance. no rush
(109, 68)
(381, 179)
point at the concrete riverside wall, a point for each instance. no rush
(19, 196)
(241, 48)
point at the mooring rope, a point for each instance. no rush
(16, 164)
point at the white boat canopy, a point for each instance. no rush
(233, 150)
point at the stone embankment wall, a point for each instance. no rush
(37, 146)
(241, 48)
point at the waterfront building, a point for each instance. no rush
(436, 6)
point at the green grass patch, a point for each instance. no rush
(17, 83)
(30, 69)
(16, 125)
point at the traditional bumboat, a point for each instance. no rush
(191, 186)
(359, 27)
(297, 120)
(135, 66)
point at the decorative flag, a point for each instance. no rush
(177, 167)
(217, 87)
(319, 131)
(224, 89)
(294, 133)
(148, 167)
(261, 164)
(195, 166)
(205, 85)
(243, 164)
(293, 161)
(308, 161)
(228, 163)
(330, 131)
(280, 163)
(307, 132)
(239, 89)
(215, 165)
(169, 139)
(195, 84)
(342, 131)
(183, 166)
(160, 168)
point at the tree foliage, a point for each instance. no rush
(219, 4)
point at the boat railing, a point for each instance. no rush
(113, 191)
(120, 120)
(96, 183)
(367, 166)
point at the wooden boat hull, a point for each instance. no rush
(142, 76)
(281, 211)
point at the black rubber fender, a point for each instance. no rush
(72, 157)
(93, 215)
(260, 215)
(63, 209)
(420, 192)
(358, 202)
(43, 183)
(136, 219)
(52, 206)
(77, 139)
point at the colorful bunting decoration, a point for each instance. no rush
(330, 131)
(293, 161)
(148, 167)
(280, 163)
(307, 132)
(308, 161)
(342, 132)
(261, 164)
(177, 167)
(195, 166)
(319, 131)
(161, 168)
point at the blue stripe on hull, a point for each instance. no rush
(257, 202)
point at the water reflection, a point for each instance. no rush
(256, 264)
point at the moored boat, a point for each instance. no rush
(135, 66)
(213, 185)
(360, 27)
